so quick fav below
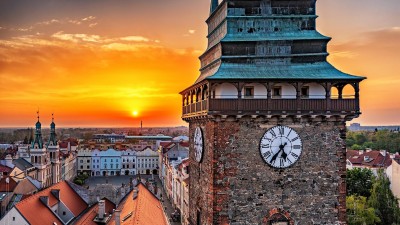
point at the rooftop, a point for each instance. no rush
(41, 213)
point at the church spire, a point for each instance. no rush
(38, 133)
(52, 140)
(213, 6)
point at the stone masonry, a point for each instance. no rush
(233, 185)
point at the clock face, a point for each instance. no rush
(280, 147)
(198, 144)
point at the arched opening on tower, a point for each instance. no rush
(254, 90)
(348, 92)
(312, 91)
(283, 91)
(225, 91)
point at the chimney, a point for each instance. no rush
(117, 217)
(102, 209)
(135, 193)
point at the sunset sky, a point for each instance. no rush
(96, 62)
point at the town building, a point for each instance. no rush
(139, 206)
(58, 204)
(393, 173)
(147, 161)
(128, 157)
(84, 161)
(265, 115)
(373, 160)
(110, 162)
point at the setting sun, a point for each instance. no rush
(134, 113)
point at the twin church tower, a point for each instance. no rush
(267, 119)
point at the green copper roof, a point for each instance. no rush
(309, 71)
(284, 36)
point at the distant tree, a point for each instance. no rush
(359, 182)
(360, 138)
(356, 147)
(358, 212)
(383, 200)
(368, 144)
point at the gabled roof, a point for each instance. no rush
(37, 213)
(91, 213)
(145, 209)
(352, 153)
(371, 159)
(22, 164)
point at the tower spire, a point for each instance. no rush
(38, 133)
(213, 6)
(53, 138)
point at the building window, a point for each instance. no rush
(248, 92)
(305, 92)
(277, 92)
(111, 160)
(81, 161)
(88, 161)
(13, 218)
(81, 167)
(88, 167)
(123, 166)
(64, 213)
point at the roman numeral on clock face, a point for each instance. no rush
(266, 155)
(280, 147)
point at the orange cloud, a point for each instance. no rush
(89, 80)
(374, 55)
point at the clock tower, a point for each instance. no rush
(267, 119)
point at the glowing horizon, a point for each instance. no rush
(94, 63)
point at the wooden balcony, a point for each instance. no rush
(271, 107)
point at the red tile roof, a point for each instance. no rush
(184, 163)
(352, 153)
(91, 213)
(36, 213)
(145, 209)
(371, 159)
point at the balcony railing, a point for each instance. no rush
(259, 106)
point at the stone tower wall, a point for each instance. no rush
(233, 185)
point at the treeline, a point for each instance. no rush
(376, 140)
(369, 199)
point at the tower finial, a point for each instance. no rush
(214, 5)
(52, 117)
(37, 115)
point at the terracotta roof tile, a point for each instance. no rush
(371, 159)
(145, 209)
(43, 215)
(88, 217)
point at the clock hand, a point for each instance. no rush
(276, 154)
(284, 155)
